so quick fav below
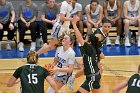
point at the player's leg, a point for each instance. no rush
(84, 88)
(46, 47)
(59, 86)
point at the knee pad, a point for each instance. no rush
(78, 91)
(50, 90)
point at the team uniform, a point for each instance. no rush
(61, 27)
(134, 84)
(32, 78)
(76, 9)
(132, 12)
(91, 70)
(94, 15)
(112, 12)
(64, 59)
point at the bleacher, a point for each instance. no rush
(16, 4)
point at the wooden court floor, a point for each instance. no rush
(116, 70)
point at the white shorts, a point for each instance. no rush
(59, 29)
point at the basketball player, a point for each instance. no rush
(64, 62)
(133, 84)
(32, 76)
(60, 27)
(132, 17)
(112, 11)
(90, 61)
(100, 32)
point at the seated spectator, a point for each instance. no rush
(77, 10)
(131, 15)
(133, 84)
(49, 16)
(112, 11)
(28, 14)
(7, 17)
(94, 12)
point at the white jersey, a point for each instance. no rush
(112, 12)
(94, 15)
(132, 12)
(64, 58)
(76, 9)
(66, 10)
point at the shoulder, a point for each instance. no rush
(78, 5)
(72, 52)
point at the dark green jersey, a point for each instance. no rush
(32, 78)
(90, 59)
(134, 84)
(99, 31)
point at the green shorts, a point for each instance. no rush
(90, 84)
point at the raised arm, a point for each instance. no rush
(77, 32)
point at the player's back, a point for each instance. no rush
(32, 78)
(134, 84)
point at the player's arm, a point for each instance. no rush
(88, 15)
(12, 13)
(105, 9)
(63, 12)
(120, 86)
(119, 10)
(100, 15)
(77, 32)
(11, 81)
(52, 83)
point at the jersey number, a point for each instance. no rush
(136, 83)
(59, 65)
(32, 78)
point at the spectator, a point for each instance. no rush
(28, 15)
(133, 84)
(131, 15)
(77, 10)
(7, 18)
(60, 27)
(112, 11)
(63, 62)
(49, 16)
(94, 13)
(32, 76)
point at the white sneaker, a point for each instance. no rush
(139, 42)
(127, 43)
(108, 42)
(117, 41)
(8, 47)
(70, 82)
(33, 46)
(21, 48)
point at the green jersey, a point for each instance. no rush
(32, 78)
(99, 31)
(134, 84)
(90, 59)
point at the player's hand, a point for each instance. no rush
(11, 26)
(1, 26)
(50, 68)
(75, 19)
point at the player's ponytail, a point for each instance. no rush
(94, 41)
(32, 57)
